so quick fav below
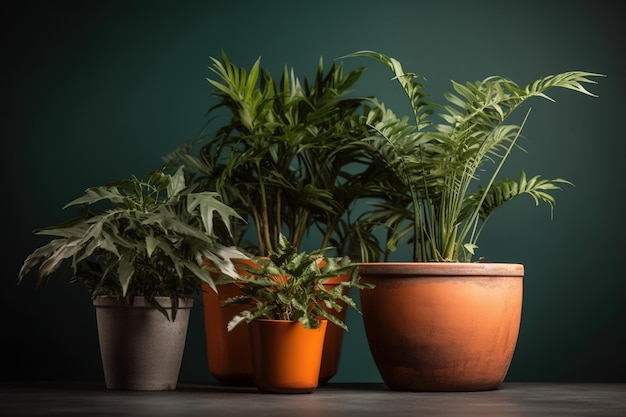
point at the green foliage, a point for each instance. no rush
(151, 238)
(287, 154)
(430, 171)
(291, 285)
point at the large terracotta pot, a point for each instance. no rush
(334, 337)
(141, 349)
(228, 353)
(442, 326)
(286, 356)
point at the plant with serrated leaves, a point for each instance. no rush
(136, 237)
(430, 172)
(291, 285)
(288, 155)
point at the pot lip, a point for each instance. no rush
(391, 269)
(139, 301)
(338, 279)
(278, 322)
(282, 321)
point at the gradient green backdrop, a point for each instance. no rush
(96, 91)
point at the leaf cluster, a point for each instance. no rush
(431, 191)
(289, 156)
(292, 285)
(138, 237)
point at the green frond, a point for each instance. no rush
(435, 169)
(536, 187)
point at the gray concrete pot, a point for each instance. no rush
(141, 349)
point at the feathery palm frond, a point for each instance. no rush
(433, 166)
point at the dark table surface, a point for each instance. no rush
(334, 399)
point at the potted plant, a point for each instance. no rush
(285, 159)
(288, 305)
(139, 246)
(452, 324)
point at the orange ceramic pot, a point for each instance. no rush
(228, 353)
(286, 356)
(334, 337)
(442, 326)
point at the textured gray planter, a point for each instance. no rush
(141, 349)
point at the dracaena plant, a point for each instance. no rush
(291, 285)
(432, 191)
(139, 237)
(287, 155)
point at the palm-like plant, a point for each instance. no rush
(286, 156)
(430, 193)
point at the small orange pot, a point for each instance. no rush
(286, 356)
(442, 326)
(228, 353)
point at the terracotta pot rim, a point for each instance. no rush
(140, 302)
(406, 269)
(338, 279)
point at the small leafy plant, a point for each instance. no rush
(430, 170)
(291, 285)
(150, 238)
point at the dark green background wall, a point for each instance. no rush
(95, 91)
